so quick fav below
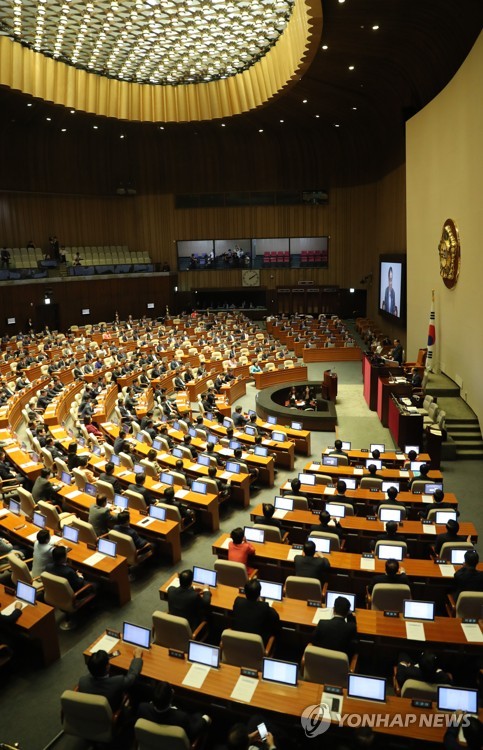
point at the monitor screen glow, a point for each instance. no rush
(106, 547)
(71, 534)
(158, 513)
(204, 576)
(283, 503)
(386, 485)
(26, 593)
(233, 467)
(136, 635)
(377, 447)
(167, 478)
(199, 487)
(374, 461)
(307, 479)
(335, 510)
(388, 514)
(418, 610)
(457, 699)
(369, 688)
(321, 545)
(283, 672)
(257, 536)
(39, 519)
(330, 461)
(390, 552)
(391, 280)
(331, 596)
(271, 590)
(201, 653)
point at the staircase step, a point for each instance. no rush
(464, 434)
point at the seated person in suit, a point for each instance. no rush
(139, 487)
(312, 564)
(372, 469)
(100, 516)
(439, 504)
(324, 525)
(392, 494)
(412, 456)
(187, 515)
(247, 737)
(108, 476)
(161, 711)
(341, 489)
(416, 379)
(224, 486)
(468, 578)
(394, 575)
(426, 669)
(121, 445)
(239, 419)
(250, 615)
(186, 601)
(295, 485)
(42, 552)
(450, 535)
(423, 474)
(390, 534)
(267, 519)
(339, 633)
(59, 567)
(338, 450)
(112, 687)
(123, 526)
(239, 550)
(238, 456)
(43, 489)
(472, 733)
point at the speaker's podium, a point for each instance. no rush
(329, 386)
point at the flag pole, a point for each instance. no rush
(431, 336)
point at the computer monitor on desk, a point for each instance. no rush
(283, 672)
(201, 653)
(136, 635)
(367, 688)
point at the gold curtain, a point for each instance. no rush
(32, 73)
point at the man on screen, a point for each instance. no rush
(389, 301)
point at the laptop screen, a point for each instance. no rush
(212, 439)
(321, 545)
(120, 501)
(387, 514)
(209, 416)
(330, 461)
(233, 467)
(201, 653)
(376, 461)
(106, 547)
(458, 556)
(346, 445)
(14, 507)
(331, 596)
(90, 489)
(178, 453)
(415, 465)
(386, 485)
(443, 516)
(96, 449)
(250, 430)
(271, 420)
(271, 590)
(138, 469)
(370, 688)
(418, 610)
(335, 510)
(34, 456)
(166, 478)
(307, 479)
(157, 445)
(390, 552)
(66, 477)
(204, 460)
(279, 437)
(139, 437)
(115, 460)
(39, 519)
(284, 672)
(260, 450)
(296, 426)
(71, 534)
(158, 513)
(204, 576)
(414, 448)
(176, 425)
(199, 487)
(136, 635)
(377, 447)
(431, 487)
(350, 483)
(227, 423)
(233, 445)
(192, 432)
(283, 503)
(457, 699)
(25, 592)
(254, 535)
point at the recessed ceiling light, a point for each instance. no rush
(324, 46)
(341, 1)
(95, 127)
(351, 67)
(282, 120)
(48, 119)
(63, 130)
(122, 136)
(72, 111)
(375, 28)
(336, 125)
(223, 125)
(354, 108)
(304, 101)
(317, 116)
(161, 127)
(29, 105)
(260, 130)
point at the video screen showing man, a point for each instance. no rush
(391, 294)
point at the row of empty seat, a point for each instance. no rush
(106, 255)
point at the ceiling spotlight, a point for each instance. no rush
(95, 127)
(375, 28)
(282, 120)
(336, 125)
(324, 46)
(304, 101)
(354, 108)
(351, 67)
(29, 104)
(49, 119)
(317, 117)
(63, 130)
(260, 130)
(122, 136)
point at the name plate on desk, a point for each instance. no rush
(420, 703)
(333, 689)
(390, 613)
(113, 633)
(312, 603)
(249, 673)
(176, 653)
(371, 518)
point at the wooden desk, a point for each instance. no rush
(23, 462)
(332, 354)
(113, 570)
(285, 452)
(300, 438)
(234, 390)
(266, 379)
(388, 457)
(285, 704)
(39, 625)
(264, 464)
(396, 475)
(385, 389)
(406, 428)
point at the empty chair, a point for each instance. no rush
(108, 450)
(418, 485)
(86, 531)
(432, 415)
(171, 631)
(448, 547)
(299, 502)
(392, 543)
(54, 519)
(371, 483)
(231, 573)
(126, 548)
(419, 689)
(61, 466)
(88, 717)
(126, 461)
(59, 594)
(322, 665)
(135, 500)
(27, 502)
(47, 458)
(244, 649)
(334, 540)
(388, 596)
(388, 506)
(149, 470)
(80, 479)
(426, 403)
(323, 479)
(272, 533)
(300, 587)
(20, 571)
(468, 605)
(106, 489)
(152, 736)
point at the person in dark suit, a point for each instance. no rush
(338, 450)
(450, 535)
(390, 535)
(123, 521)
(312, 564)
(472, 733)
(59, 567)
(108, 476)
(161, 711)
(239, 419)
(120, 443)
(389, 301)
(468, 578)
(267, 519)
(397, 353)
(426, 669)
(141, 489)
(188, 602)
(394, 575)
(339, 633)
(323, 525)
(438, 504)
(250, 615)
(43, 489)
(423, 474)
(112, 687)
